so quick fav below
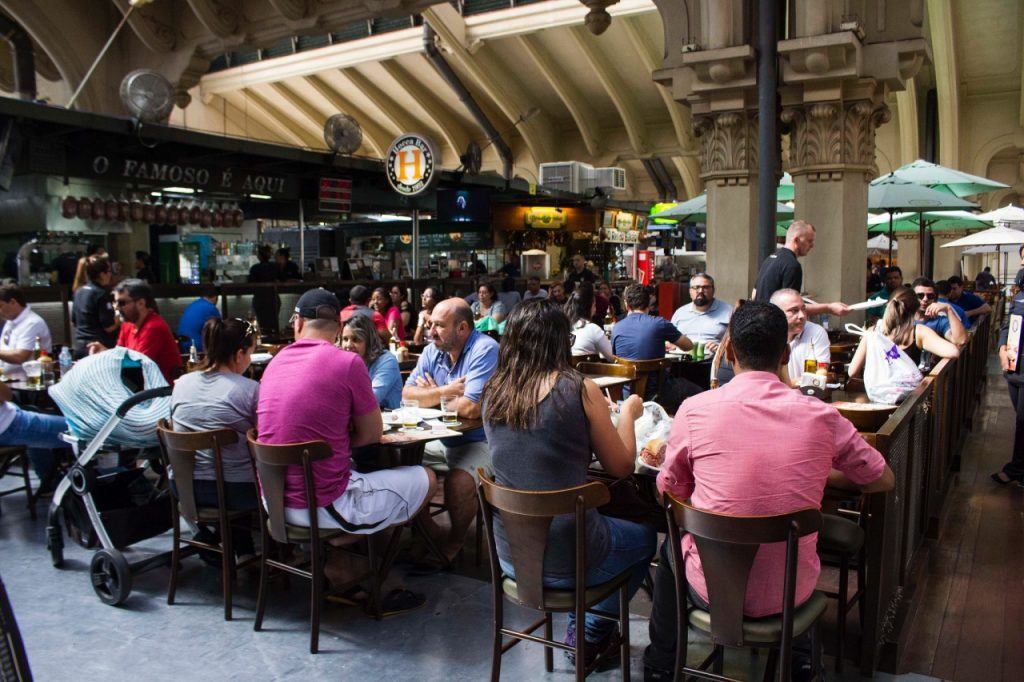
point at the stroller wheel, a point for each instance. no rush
(55, 543)
(111, 576)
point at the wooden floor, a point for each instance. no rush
(971, 622)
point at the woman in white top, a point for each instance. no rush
(589, 339)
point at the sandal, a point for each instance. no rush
(397, 601)
(354, 596)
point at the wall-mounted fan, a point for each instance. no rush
(342, 134)
(148, 96)
(471, 158)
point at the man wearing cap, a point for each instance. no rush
(457, 363)
(313, 390)
(359, 304)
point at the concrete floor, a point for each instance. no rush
(71, 635)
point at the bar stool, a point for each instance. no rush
(843, 539)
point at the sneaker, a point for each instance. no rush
(657, 675)
(597, 656)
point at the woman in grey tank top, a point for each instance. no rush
(544, 421)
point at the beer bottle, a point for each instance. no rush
(811, 364)
(37, 350)
(193, 358)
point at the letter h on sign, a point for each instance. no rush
(409, 165)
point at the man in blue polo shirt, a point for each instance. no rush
(195, 316)
(639, 336)
(458, 363)
(705, 318)
(942, 288)
(974, 306)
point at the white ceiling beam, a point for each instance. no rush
(269, 117)
(570, 95)
(512, 100)
(312, 116)
(374, 136)
(642, 45)
(613, 85)
(541, 16)
(454, 134)
(389, 108)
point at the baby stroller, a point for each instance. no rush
(112, 402)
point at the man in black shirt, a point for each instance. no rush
(579, 273)
(782, 270)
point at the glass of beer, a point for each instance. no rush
(449, 409)
(410, 414)
(34, 373)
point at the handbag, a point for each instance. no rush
(889, 373)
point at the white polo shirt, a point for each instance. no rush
(800, 349)
(20, 334)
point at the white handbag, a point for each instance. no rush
(889, 373)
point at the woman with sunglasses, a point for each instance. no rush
(588, 338)
(218, 396)
(530, 404)
(904, 324)
(358, 336)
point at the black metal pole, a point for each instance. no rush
(768, 129)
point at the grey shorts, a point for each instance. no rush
(468, 457)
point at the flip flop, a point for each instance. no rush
(398, 601)
(354, 596)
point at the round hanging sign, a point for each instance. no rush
(410, 164)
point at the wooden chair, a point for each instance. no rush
(271, 463)
(575, 360)
(727, 546)
(527, 516)
(645, 371)
(9, 456)
(179, 450)
(607, 369)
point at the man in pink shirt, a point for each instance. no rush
(313, 390)
(789, 446)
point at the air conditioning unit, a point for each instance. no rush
(567, 176)
(610, 178)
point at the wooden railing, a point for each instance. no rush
(922, 443)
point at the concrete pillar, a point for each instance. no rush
(909, 258)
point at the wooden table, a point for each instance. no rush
(36, 396)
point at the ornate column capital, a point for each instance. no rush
(835, 137)
(728, 145)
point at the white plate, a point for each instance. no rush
(261, 358)
(429, 413)
(390, 418)
(646, 465)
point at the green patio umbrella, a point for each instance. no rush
(891, 194)
(941, 178)
(785, 191)
(695, 210)
(933, 220)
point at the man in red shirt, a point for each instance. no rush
(146, 332)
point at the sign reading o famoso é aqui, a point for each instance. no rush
(410, 164)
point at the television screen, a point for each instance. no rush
(463, 205)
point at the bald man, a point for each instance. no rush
(782, 270)
(457, 364)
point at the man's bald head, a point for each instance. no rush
(447, 330)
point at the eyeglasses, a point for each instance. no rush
(925, 296)
(702, 287)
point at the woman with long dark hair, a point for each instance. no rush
(588, 338)
(359, 336)
(381, 302)
(93, 310)
(544, 421)
(430, 297)
(217, 396)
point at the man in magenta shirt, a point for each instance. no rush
(313, 390)
(144, 330)
(789, 446)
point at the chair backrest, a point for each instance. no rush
(526, 516)
(727, 546)
(606, 369)
(645, 370)
(272, 462)
(575, 360)
(179, 448)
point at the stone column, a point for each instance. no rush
(832, 160)
(729, 170)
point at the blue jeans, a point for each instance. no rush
(40, 433)
(630, 546)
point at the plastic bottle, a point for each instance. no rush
(65, 361)
(193, 358)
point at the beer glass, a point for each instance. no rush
(449, 410)
(34, 373)
(410, 414)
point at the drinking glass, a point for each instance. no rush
(33, 372)
(410, 414)
(449, 409)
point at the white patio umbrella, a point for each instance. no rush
(1006, 214)
(998, 237)
(881, 243)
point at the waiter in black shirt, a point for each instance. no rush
(782, 270)
(579, 273)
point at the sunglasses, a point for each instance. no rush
(926, 296)
(122, 302)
